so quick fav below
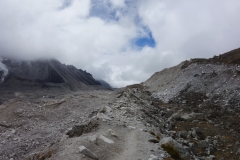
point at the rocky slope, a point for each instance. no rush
(203, 96)
(200, 81)
(46, 73)
(105, 84)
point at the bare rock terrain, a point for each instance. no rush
(187, 112)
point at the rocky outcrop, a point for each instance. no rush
(175, 149)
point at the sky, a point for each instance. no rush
(120, 41)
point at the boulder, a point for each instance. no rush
(87, 152)
(175, 149)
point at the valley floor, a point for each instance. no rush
(124, 125)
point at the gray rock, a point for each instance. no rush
(238, 151)
(211, 149)
(195, 121)
(152, 157)
(211, 122)
(79, 129)
(197, 130)
(237, 143)
(168, 143)
(87, 152)
(105, 110)
(197, 133)
(175, 116)
(112, 133)
(103, 116)
(105, 139)
(211, 157)
(13, 131)
(131, 127)
(215, 142)
(183, 134)
(203, 144)
(193, 116)
(93, 139)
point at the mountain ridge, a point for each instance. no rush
(47, 73)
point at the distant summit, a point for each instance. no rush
(44, 73)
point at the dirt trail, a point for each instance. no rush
(130, 148)
(7, 112)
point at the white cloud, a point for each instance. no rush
(98, 37)
(118, 3)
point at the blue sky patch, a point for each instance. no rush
(145, 41)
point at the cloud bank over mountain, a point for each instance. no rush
(120, 41)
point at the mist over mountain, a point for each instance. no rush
(44, 73)
(105, 84)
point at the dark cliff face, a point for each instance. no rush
(1, 75)
(37, 71)
(47, 73)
